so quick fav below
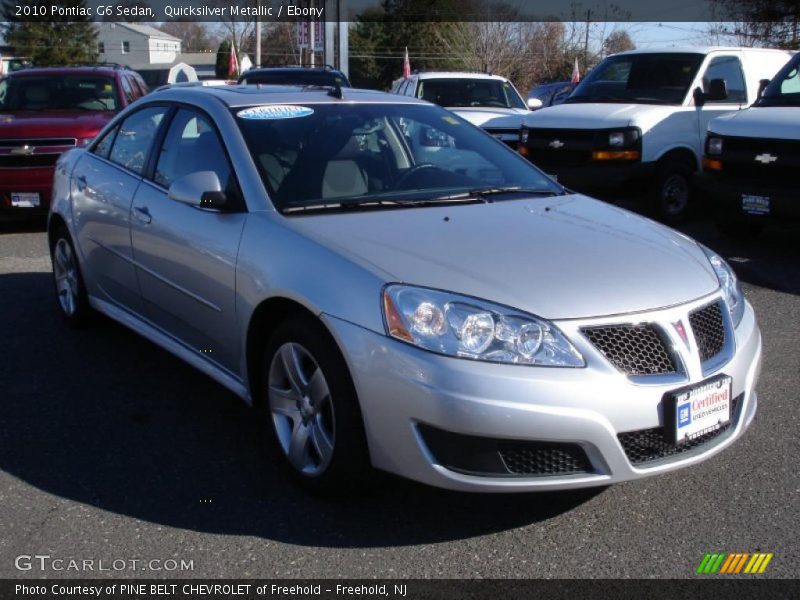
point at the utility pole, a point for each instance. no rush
(586, 40)
(258, 38)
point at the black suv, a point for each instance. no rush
(322, 76)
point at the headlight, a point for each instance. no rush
(83, 142)
(460, 326)
(624, 138)
(523, 135)
(729, 283)
(714, 146)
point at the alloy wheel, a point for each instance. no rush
(301, 409)
(65, 271)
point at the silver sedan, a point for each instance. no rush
(391, 287)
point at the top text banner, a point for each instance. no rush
(352, 10)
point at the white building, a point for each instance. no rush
(135, 44)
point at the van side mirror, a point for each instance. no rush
(762, 85)
(717, 91)
(201, 189)
(534, 103)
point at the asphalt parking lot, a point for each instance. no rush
(110, 449)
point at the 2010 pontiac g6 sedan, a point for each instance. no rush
(391, 287)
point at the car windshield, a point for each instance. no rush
(58, 92)
(639, 79)
(470, 92)
(784, 88)
(321, 78)
(332, 155)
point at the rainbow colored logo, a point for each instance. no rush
(734, 563)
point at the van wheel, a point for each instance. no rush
(672, 191)
(73, 302)
(311, 411)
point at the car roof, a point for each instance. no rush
(290, 69)
(695, 50)
(457, 75)
(250, 95)
(82, 70)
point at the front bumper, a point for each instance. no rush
(402, 390)
(596, 177)
(724, 196)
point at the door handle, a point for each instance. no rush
(142, 214)
(81, 182)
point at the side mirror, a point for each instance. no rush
(201, 189)
(717, 91)
(762, 85)
(534, 103)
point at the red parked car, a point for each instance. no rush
(46, 111)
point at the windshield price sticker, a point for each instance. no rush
(275, 112)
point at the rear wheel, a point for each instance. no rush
(73, 302)
(671, 194)
(311, 410)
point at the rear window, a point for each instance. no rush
(58, 92)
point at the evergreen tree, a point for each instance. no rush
(223, 56)
(45, 41)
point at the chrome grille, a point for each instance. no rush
(38, 143)
(709, 330)
(633, 349)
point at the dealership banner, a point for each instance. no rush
(351, 10)
(329, 589)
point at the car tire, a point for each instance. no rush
(310, 410)
(671, 193)
(71, 297)
(737, 227)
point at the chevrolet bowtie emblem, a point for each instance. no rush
(22, 150)
(766, 158)
(556, 144)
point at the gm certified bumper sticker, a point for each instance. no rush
(275, 111)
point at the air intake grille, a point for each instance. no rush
(544, 458)
(647, 445)
(709, 330)
(633, 349)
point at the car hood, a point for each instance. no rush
(52, 124)
(561, 257)
(598, 116)
(492, 117)
(778, 122)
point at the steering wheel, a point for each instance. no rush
(411, 173)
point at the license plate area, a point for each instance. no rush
(25, 199)
(755, 205)
(699, 409)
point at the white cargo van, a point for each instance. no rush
(637, 122)
(752, 158)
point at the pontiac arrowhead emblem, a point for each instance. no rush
(22, 150)
(681, 331)
(556, 144)
(765, 158)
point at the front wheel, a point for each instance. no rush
(672, 191)
(311, 409)
(73, 302)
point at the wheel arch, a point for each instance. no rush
(683, 154)
(265, 318)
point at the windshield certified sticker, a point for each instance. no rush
(275, 111)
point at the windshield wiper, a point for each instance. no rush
(485, 192)
(373, 202)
